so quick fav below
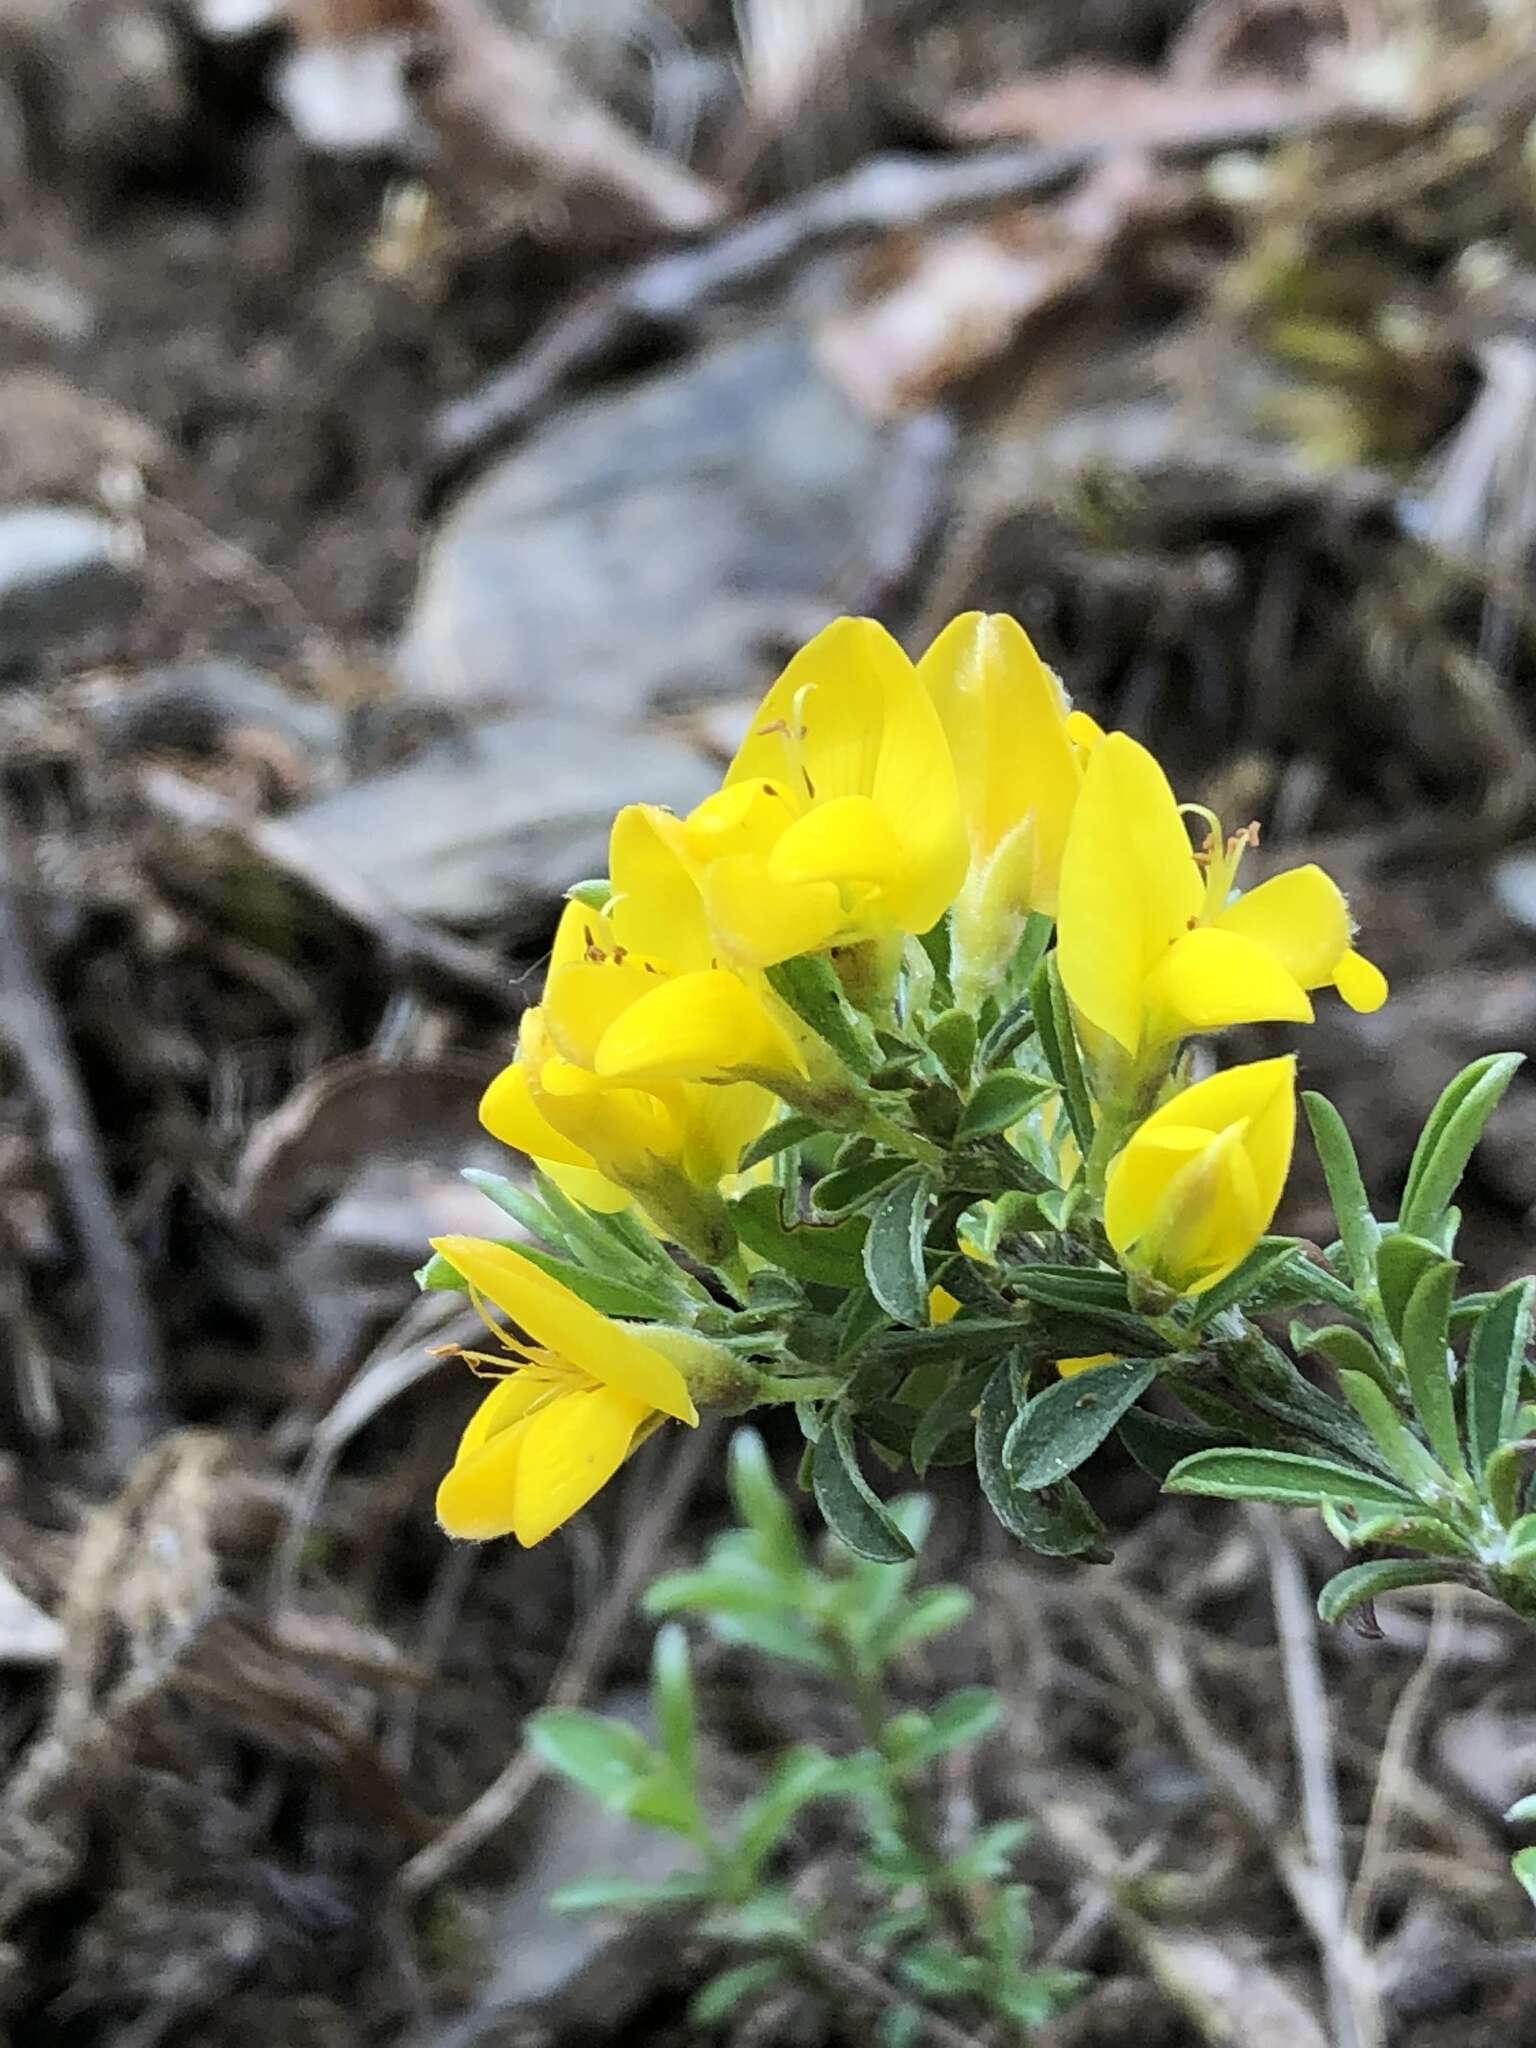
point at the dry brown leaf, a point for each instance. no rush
(946, 305)
(1111, 103)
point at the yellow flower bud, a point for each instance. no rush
(1197, 1185)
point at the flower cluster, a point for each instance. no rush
(884, 1034)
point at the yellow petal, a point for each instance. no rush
(476, 1498)
(743, 818)
(1129, 887)
(1005, 717)
(1069, 1368)
(819, 731)
(707, 1026)
(1360, 982)
(509, 1112)
(1140, 1177)
(581, 930)
(553, 1317)
(507, 1402)
(1085, 732)
(760, 922)
(848, 839)
(570, 1451)
(943, 1306)
(1300, 918)
(656, 908)
(718, 1123)
(582, 999)
(1211, 978)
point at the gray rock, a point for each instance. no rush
(489, 827)
(196, 707)
(62, 572)
(667, 543)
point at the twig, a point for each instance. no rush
(127, 1343)
(850, 1983)
(414, 951)
(882, 195)
(1353, 2004)
(580, 1670)
(1402, 1733)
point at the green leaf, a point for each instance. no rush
(851, 1510)
(1523, 1864)
(1495, 1363)
(940, 1972)
(1426, 1327)
(893, 1251)
(1401, 1449)
(829, 1253)
(1015, 1027)
(1068, 1421)
(1053, 1021)
(1522, 1813)
(1283, 1477)
(952, 1038)
(1253, 1283)
(789, 1130)
(1345, 1347)
(1445, 1145)
(607, 1758)
(799, 1776)
(1341, 1169)
(1401, 1263)
(962, 1718)
(950, 1416)
(853, 1188)
(762, 1507)
(519, 1203)
(1422, 1532)
(1055, 1521)
(672, 1699)
(1072, 1287)
(999, 1102)
(1359, 1583)
(628, 1894)
(901, 2026)
(1157, 1443)
(722, 1995)
(931, 1613)
(810, 986)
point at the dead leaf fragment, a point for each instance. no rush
(1112, 103)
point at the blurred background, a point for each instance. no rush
(428, 424)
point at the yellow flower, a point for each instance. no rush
(1198, 1183)
(1151, 949)
(1006, 719)
(582, 1391)
(1069, 1368)
(840, 818)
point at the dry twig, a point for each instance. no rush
(127, 1343)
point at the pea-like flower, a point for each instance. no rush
(580, 1393)
(1197, 1185)
(1005, 717)
(839, 820)
(1150, 946)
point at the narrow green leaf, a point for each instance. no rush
(1426, 1326)
(1157, 1443)
(1446, 1143)
(1066, 1423)
(1053, 1021)
(779, 1137)
(722, 1995)
(850, 1508)
(1341, 1169)
(950, 1415)
(851, 1188)
(1071, 1287)
(1419, 1531)
(628, 1894)
(893, 1251)
(672, 1699)
(605, 1757)
(1283, 1477)
(762, 1822)
(830, 1253)
(1523, 1812)
(762, 1507)
(1270, 1258)
(1351, 1588)
(952, 1039)
(1056, 1521)
(1345, 1347)
(810, 986)
(519, 1203)
(933, 1612)
(999, 1102)
(1396, 1442)
(1402, 1260)
(1523, 1864)
(1495, 1362)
